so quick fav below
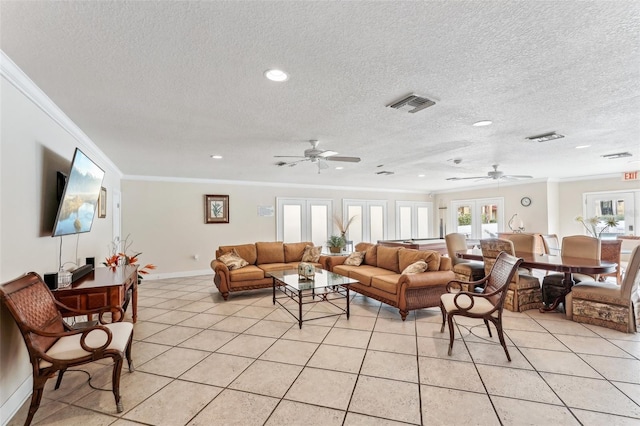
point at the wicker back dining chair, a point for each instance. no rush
(487, 305)
(524, 291)
(610, 251)
(53, 346)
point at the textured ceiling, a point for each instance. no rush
(159, 86)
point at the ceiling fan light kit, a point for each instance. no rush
(316, 156)
(494, 174)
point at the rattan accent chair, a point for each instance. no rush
(607, 304)
(465, 270)
(487, 305)
(53, 345)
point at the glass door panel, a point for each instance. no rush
(376, 217)
(464, 219)
(404, 223)
(423, 222)
(612, 206)
(488, 220)
(292, 220)
(319, 221)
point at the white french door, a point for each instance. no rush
(301, 219)
(481, 218)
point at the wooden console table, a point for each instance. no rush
(102, 287)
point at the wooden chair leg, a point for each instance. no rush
(36, 397)
(115, 380)
(451, 332)
(59, 380)
(128, 354)
(498, 325)
(488, 328)
(444, 318)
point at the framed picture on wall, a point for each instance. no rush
(216, 209)
(102, 203)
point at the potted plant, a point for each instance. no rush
(336, 243)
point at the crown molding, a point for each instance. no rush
(18, 79)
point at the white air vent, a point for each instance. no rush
(545, 137)
(412, 103)
(384, 172)
(617, 155)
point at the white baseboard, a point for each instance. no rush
(180, 274)
(15, 401)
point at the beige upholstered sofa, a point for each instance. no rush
(262, 257)
(380, 276)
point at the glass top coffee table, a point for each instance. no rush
(325, 287)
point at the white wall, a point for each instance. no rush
(166, 218)
(36, 141)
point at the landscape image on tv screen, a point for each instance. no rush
(78, 206)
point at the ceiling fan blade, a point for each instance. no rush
(288, 156)
(517, 177)
(346, 159)
(328, 153)
(465, 178)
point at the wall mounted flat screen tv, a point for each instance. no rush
(80, 198)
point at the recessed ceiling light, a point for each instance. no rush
(420, 175)
(339, 168)
(276, 75)
(582, 146)
(483, 123)
(216, 157)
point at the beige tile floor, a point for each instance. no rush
(201, 360)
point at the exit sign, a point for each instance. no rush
(630, 175)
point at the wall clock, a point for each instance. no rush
(525, 201)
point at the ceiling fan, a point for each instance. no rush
(316, 156)
(495, 174)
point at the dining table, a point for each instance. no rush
(557, 263)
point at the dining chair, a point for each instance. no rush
(551, 244)
(629, 242)
(464, 270)
(524, 291)
(53, 345)
(487, 305)
(610, 251)
(580, 246)
(607, 304)
(523, 244)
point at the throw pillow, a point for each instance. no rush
(232, 260)
(311, 254)
(355, 258)
(416, 268)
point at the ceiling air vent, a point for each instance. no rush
(545, 137)
(384, 172)
(412, 103)
(617, 155)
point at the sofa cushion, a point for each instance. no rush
(362, 273)
(271, 252)
(408, 256)
(247, 273)
(371, 256)
(311, 253)
(388, 258)
(355, 258)
(416, 267)
(293, 251)
(387, 283)
(232, 260)
(245, 251)
(270, 267)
